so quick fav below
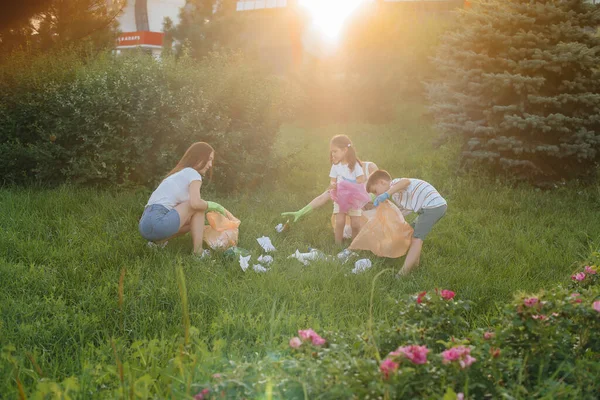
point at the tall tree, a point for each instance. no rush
(57, 23)
(519, 83)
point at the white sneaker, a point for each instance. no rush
(158, 246)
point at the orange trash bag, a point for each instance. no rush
(222, 231)
(386, 233)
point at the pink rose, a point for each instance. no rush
(309, 334)
(447, 294)
(295, 342)
(306, 334)
(420, 297)
(202, 395)
(318, 340)
(531, 301)
(415, 354)
(596, 305)
(488, 335)
(466, 361)
(589, 270)
(387, 367)
(462, 354)
(578, 276)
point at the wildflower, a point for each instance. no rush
(574, 297)
(488, 335)
(460, 396)
(295, 342)
(531, 301)
(596, 305)
(387, 367)
(555, 314)
(420, 297)
(202, 395)
(462, 354)
(447, 294)
(217, 376)
(589, 270)
(541, 317)
(578, 276)
(416, 354)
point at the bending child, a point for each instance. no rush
(410, 195)
(324, 198)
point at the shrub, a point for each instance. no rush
(544, 345)
(127, 120)
(519, 83)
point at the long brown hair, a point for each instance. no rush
(344, 142)
(197, 153)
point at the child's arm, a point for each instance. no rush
(361, 179)
(399, 186)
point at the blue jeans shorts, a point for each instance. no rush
(158, 223)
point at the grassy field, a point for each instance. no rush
(63, 251)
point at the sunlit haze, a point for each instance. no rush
(328, 16)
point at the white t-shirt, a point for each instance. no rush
(174, 189)
(341, 171)
(419, 194)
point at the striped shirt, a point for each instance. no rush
(419, 194)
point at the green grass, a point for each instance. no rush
(62, 252)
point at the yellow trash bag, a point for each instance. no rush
(222, 231)
(385, 234)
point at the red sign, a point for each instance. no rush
(140, 38)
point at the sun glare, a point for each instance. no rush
(328, 16)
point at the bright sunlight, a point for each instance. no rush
(328, 16)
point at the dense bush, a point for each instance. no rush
(127, 120)
(542, 346)
(519, 82)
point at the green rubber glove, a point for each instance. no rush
(298, 214)
(212, 206)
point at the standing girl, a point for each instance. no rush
(346, 167)
(175, 207)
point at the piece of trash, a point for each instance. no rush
(361, 266)
(266, 244)
(345, 255)
(347, 232)
(279, 228)
(306, 258)
(235, 252)
(244, 262)
(265, 259)
(259, 268)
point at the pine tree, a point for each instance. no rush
(519, 82)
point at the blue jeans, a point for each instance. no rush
(158, 223)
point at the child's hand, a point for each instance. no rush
(333, 186)
(381, 198)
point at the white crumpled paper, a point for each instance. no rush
(266, 244)
(362, 265)
(265, 259)
(245, 262)
(259, 268)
